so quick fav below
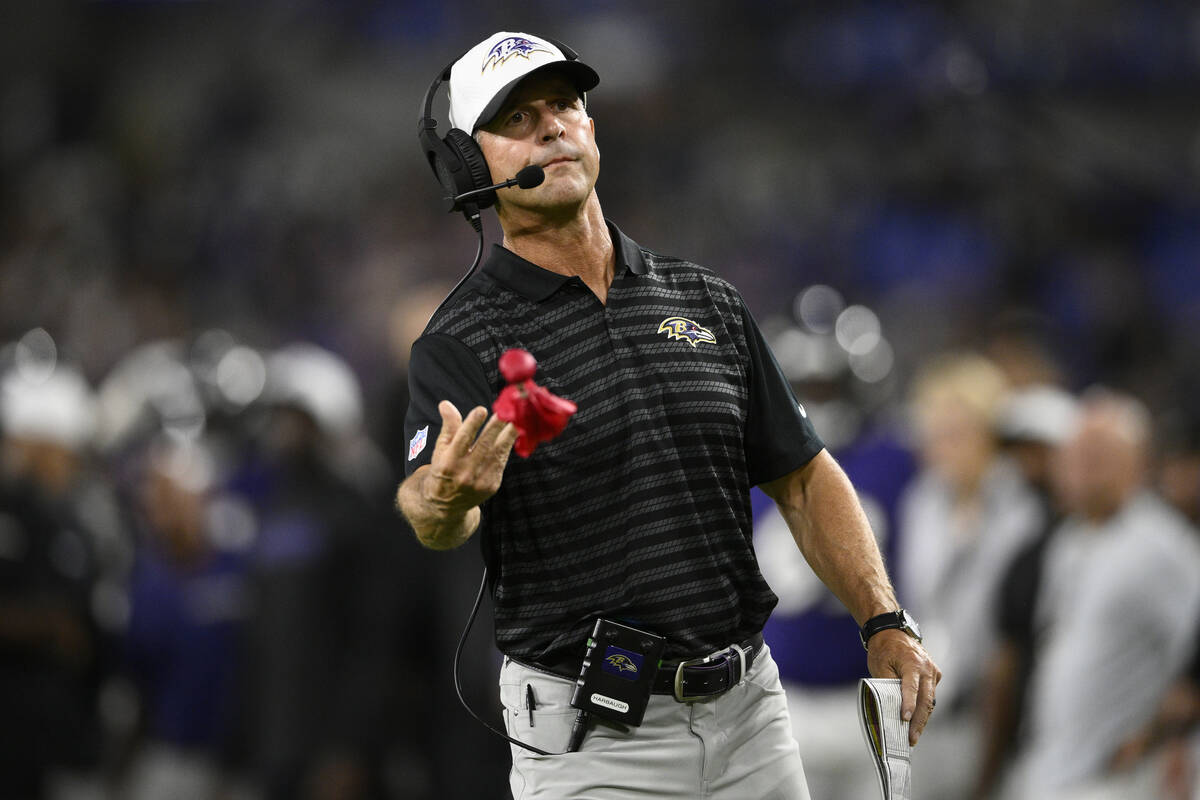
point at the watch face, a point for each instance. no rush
(911, 624)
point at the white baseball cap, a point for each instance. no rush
(59, 407)
(481, 80)
(320, 383)
(1040, 413)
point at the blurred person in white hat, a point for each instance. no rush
(58, 518)
(1032, 425)
(48, 424)
(321, 588)
(317, 402)
(640, 510)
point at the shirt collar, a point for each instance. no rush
(537, 284)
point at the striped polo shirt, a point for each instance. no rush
(640, 510)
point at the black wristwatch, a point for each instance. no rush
(893, 619)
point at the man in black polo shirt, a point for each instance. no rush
(640, 510)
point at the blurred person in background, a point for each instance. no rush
(187, 607)
(319, 681)
(1177, 473)
(1033, 424)
(851, 414)
(962, 520)
(56, 518)
(1170, 740)
(1175, 728)
(1116, 614)
(407, 320)
(1020, 341)
(439, 589)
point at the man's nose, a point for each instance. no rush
(552, 128)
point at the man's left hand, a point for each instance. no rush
(895, 654)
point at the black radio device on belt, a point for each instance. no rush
(618, 672)
(614, 683)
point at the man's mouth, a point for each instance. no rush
(559, 160)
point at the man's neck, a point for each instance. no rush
(579, 246)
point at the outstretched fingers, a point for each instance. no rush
(463, 431)
(451, 422)
(492, 449)
(469, 458)
(489, 436)
(507, 438)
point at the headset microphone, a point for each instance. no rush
(527, 178)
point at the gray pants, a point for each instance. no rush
(732, 747)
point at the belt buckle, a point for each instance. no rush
(691, 662)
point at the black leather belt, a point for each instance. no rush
(690, 679)
(697, 678)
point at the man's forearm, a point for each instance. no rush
(437, 526)
(822, 510)
(832, 531)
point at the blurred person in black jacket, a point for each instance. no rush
(1033, 425)
(439, 588)
(55, 516)
(1177, 473)
(318, 680)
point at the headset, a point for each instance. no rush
(456, 160)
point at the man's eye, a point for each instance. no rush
(516, 118)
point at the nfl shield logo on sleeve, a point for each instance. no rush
(418, 443)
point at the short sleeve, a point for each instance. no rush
(441, 368)
(779, 437)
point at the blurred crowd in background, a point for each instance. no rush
(971, 232)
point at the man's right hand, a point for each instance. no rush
(441, 500)
(465, 470)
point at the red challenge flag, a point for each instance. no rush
(538, 414)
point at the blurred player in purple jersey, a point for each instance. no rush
(851, 414)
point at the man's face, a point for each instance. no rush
(543, 122)
(1100, 466)
(955, 439)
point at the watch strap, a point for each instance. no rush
(898, 619)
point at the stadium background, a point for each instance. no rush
(962, 169)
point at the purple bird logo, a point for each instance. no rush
(505, 49)
(682, 328)
(621, 663)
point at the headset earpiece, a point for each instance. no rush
(475, 172)
(456, 161)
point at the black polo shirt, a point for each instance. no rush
(640, 510)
